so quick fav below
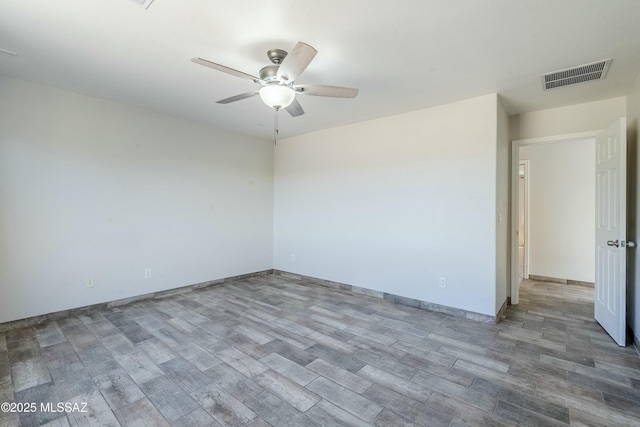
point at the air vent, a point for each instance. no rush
(571, 76)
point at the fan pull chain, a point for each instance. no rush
(275, 128)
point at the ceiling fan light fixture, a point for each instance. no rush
(277, 96)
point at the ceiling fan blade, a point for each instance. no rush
(237, 97)
(224, 69)
(295, 109)
(296, 62)
(325, 90)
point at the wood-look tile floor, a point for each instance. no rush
(282, 352)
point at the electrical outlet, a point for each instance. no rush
(90, 282)
(147, 273)
(443, 282)
(293, 258)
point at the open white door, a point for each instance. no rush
(611, 264)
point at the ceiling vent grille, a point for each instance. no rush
(571, 76)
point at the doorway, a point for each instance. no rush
(558, 251)
(523, 219)
(609, 224)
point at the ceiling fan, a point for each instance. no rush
(278, 80)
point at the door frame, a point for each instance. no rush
(525, 255)
(514, 287)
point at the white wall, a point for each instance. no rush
(91, 188)
(561, 209)
(394, 204)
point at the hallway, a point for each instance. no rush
(572, 359)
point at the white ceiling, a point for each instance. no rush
(403, 55)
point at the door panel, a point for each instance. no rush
(610, 289)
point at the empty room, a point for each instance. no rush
(299, 213)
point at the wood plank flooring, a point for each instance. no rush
(276, 351)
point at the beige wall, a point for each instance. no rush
(394, 204)
(561, 209)
(567, 120)
(91, 188)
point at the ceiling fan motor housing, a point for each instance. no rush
(276, 56)
(269, 73)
